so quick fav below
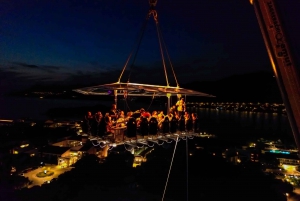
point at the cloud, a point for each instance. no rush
(79, 72)
(31, 73)
(52, 67)
(28, 73)
(26, 65)
(47, 68)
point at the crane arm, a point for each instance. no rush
(282, 61)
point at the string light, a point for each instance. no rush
(150, 145)
(102, 146)
(96, 144)
(128, 149)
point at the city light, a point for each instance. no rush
(279, 152)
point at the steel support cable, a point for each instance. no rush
(164, 44)
(170, 169)
(127, 105)
(139, 43)
(119, 80)
(141, 33)
(151, 102)
(161, 51)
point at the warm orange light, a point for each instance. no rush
(289, 167)
(24, 145)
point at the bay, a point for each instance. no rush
(224, 123)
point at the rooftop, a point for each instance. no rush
(86, 146)
(54, 149)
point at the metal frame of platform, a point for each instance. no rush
(158, 139)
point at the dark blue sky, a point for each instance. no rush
(88, 41)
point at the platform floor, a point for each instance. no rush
(113, 141)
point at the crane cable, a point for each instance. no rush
(165, 47)
(137, 43)
(160, 45)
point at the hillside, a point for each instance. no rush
(256, 87)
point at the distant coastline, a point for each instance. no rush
(252, 87)
(16, 107)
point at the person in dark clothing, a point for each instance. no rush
(196, 126)
(113, 113)
(131, 128)
(87, 123)
(98, 117)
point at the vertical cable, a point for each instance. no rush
(170, 169)
(187, 170)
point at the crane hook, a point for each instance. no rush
(152, 3)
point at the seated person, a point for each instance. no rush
(143, 126)
(95, 128)
(173, 109)
(113, 113)
(102, 129)
(128, 115)
(173, 125)
(195, 123)
(154, 114)
(180, 106)
(144, 113)
(121, 120)
(189, 123)
(166, 125)
(108, 123)
(176, 115)
(131, 128)
(153, 126)
(160, 118)
(88, 122)
(181, 123)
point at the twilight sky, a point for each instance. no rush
(88, 41)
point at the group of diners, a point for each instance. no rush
(140, 122)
